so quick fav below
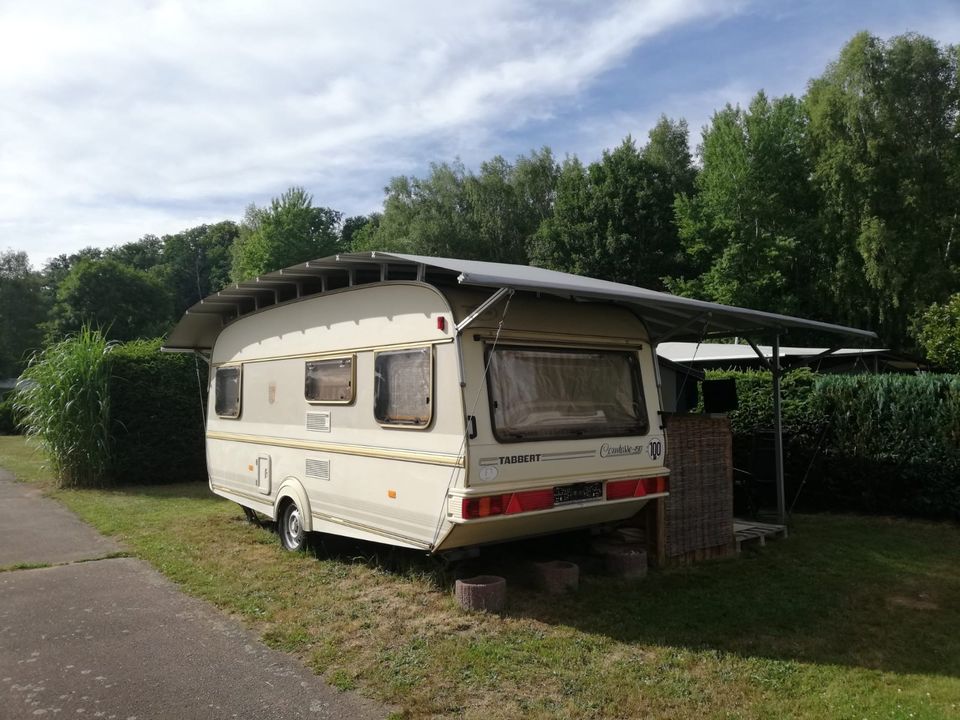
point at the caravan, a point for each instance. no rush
(433, 403)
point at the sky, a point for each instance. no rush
(121, 118)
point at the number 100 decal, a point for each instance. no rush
(655, 448)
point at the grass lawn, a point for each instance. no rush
(852, 617)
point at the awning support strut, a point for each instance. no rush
(488, 303)
(778, 431)
(776, 370)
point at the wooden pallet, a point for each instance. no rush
(749, 531)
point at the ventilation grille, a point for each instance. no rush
(318, 421)
(318, 469)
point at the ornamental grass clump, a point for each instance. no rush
(64, 403)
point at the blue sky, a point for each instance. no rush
(121, 118)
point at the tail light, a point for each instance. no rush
(621, 489)
(530, 500)
(482, 506)
(510, 504)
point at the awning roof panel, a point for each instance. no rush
(668, 317)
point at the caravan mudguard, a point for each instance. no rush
(292, 488)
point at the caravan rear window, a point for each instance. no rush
(227, 391)
(552, 393)
(403, 387)
(329, 381)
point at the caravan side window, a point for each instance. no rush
(329, 380)
(403, 387)
(227, 388)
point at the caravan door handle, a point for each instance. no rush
(472, 421)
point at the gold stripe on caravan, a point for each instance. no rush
(344, 449)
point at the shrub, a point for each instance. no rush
(938, 332)
(109, 413)
(8, 421)
(65, 403)
(893, 442)
(869, 443)
(158, 423)
(801, 416)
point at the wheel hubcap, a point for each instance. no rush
(295, 523)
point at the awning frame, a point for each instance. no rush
(665, 316)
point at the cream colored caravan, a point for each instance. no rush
(433, 403)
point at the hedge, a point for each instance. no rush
(867, 443)
(157, 420)
(115, 414)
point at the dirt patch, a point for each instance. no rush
(920, 602)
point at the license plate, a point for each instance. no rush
(577, 493)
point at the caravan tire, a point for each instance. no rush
(293, 536)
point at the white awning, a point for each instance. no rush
(668, 317)
(689, 352)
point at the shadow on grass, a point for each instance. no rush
(197, 490)
(862, 592)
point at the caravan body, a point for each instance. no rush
(394, 411)
(438, 403)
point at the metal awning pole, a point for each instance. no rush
(778, 431)
(489, 302)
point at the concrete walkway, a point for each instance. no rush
(112, 638)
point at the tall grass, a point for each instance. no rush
(65, 404)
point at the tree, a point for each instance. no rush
(564, 240)
(23, 308)
(290, 231)
(614, 219)
(751, 228)
(429, 216)
(667, 152)
(938, 332)
(490, 215)
(56, 269)
(144, 254)
(125, 303)
(196, 262)
(885, 149)
(350, 227)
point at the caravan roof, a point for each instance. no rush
(668, 317)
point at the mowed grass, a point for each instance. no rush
(851, 617)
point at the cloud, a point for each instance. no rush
(123, 118)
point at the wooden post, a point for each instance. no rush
(656, 525)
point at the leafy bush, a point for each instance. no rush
(938, 331)
(869, 443)
(893, 442)
(801, 416)
(109, 413)
(8, 420)
(65, 403)
(158, 424)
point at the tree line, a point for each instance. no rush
(839, 205)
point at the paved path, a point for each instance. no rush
(34, 529)
(112, 638)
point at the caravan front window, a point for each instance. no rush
(403, 387)
(228, 391)
(554, 393)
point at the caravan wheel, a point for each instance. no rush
(290, 526)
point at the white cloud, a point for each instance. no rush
(120, 118)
